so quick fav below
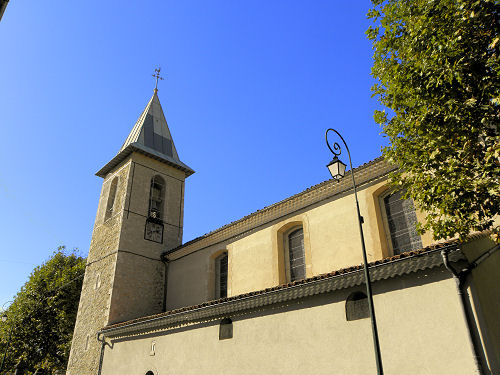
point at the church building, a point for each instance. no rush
(280, 291)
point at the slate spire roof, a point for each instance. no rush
(150, 136)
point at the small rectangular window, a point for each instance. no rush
(226, 329)
(356, 306)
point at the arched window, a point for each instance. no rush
(294, 255)
(150, 373)
(221, 263)
(156, 197)
(356, 306)
(111, 198)
(401, 222)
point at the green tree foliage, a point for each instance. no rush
(437, 66)
(43, 315)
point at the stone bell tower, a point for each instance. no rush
(140, 215)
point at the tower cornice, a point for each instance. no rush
(137, 147)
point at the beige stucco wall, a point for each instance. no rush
(420, 325)
(191, 278)
(331, 241)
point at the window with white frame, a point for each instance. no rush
(401, 222)
(221, 265)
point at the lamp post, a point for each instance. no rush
(4, 319)
(337, 170)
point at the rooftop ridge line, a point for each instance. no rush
(314, 194)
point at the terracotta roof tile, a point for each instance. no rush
(342, 271)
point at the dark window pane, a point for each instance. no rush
(156, 197)
(296, 255)
(226, 329)
(402, 220)
(221, 263)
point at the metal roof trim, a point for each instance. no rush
(123, 154)
(383, 271)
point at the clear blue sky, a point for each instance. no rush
(250, 87)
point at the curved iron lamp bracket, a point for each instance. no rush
(336, 150)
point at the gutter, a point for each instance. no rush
(461, 278)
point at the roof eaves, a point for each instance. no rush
(137, 147)
(399, 265)
(336, 188)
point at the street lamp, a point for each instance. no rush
(336, 167)
(4, 319)
(337, 170)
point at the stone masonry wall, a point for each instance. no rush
(125, 276)
(139, 279)
(93, 309)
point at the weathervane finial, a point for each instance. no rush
(157, 76)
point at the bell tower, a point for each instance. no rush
(139, 216)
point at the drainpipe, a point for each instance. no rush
(101, 355)
(460, 278)
(165, 261)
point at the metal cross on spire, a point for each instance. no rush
(157, 75)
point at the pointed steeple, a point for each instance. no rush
(151, 130)
(150, 136)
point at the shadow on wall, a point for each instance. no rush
(400, 283)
